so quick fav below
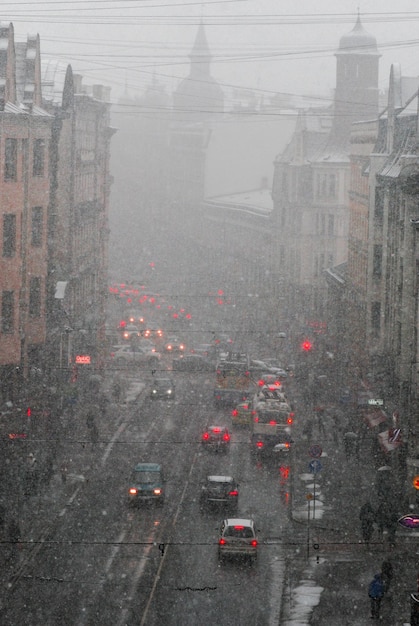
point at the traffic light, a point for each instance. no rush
(307, 346)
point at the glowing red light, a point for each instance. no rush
(238, 527)
(220, 292)
(253, 543)
(29, 411)
(306, 345)
(259, 444)
(234, 493)
(205, 436)
(273, 423)
(188, 316)
(222, 542)
(216, 430)
(234, 412)
(226, 437)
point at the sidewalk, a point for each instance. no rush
(328, 582)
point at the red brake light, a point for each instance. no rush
(133, 491)
(222, 542)
(256, 419)
(289, 420)
(259, 444)
(234, 412)
(261, 383)
(272, 423)
(216, 430)
(238, 527)
(226, 437)
(205, 436)
(234, 493)
(254, 543)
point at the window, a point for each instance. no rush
(377, 260)
(7, 312)
(375, 318)
(38, 157)
(35, 297)
(10, 159)
(37, 224)
(9, 235)
(332, 185)
(331, 226)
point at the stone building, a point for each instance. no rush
(311, 180)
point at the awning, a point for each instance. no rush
(387, 440)
(374, 417)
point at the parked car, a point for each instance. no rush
(162, 388)
(238, 538)
(220, 491)
(147, 484)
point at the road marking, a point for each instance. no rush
(114, 551)
(157, 576)
(62, 512)
(109, 447)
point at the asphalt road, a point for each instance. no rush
(98, 561)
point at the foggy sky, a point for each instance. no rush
(254, 45)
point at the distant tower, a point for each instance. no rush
(356, 95)
(197, 102)
(198, 97)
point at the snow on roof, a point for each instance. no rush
(256, 202)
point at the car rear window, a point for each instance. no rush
(240, 532)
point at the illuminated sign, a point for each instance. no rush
(83, 359)
(375, 401)
(409, 521)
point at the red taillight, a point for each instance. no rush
(254, 543)
(205, 436)
(222, 542)
(273, 423)
(256, 419)
(226, 437)
(216, 430)
(234, 413)
(234, 493)
(238, 527)
(259, 444)
(261, 383)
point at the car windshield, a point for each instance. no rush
(145, 477)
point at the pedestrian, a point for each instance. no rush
(63, 471)
(387, 574)
(375, 593)
(367, 517)
(15, 537)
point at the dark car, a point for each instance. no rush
(216, 438)
(220, 491)
(193, 363)
(146, 484)
(162, 388)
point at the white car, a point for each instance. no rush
(238, 539)
(136, 355)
